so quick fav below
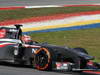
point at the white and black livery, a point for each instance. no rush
(20, 49)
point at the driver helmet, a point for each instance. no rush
(26, 38)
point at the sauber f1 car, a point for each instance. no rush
(20, 49)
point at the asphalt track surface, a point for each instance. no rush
(8, 69)
(11, 69)
(45, 2)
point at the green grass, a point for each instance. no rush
(86, 38)
(27, 13)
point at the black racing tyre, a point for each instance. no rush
(43, 59)
(81, 50)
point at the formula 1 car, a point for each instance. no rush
(20, 49)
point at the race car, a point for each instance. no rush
(17, 48)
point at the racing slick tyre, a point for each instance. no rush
(43, 59)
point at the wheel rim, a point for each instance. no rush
(42, 59)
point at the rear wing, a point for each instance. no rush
(11, 33)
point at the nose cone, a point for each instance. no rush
(86, 56)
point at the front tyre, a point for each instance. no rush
(42, 59)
